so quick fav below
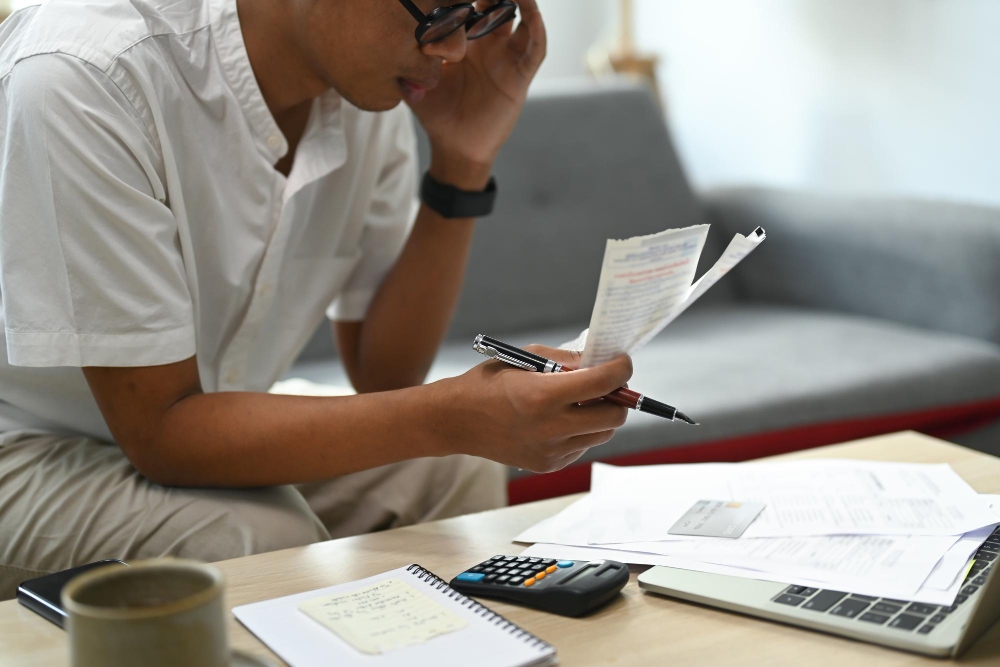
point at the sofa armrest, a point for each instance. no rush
(930, 264)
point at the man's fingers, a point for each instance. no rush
(565, 357)
(588, 383)
(530, 39)
(594, 418)
(581, 443)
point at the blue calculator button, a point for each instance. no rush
(471, 576)
(565, 563)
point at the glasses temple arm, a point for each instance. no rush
(414, 10)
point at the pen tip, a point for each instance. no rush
(684, 418)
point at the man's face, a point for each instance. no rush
(367, 51)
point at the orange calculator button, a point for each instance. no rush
(551, 568)
(529, 582)
(539, 575)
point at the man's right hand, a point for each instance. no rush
(533, 421)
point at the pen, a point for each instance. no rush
(515, 356)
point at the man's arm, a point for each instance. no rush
(415, 303)
(175, 434)
(468, 117)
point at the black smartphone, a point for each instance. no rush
(42, 594)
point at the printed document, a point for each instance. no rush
(646, 283)
(802, 498)
(921, 569)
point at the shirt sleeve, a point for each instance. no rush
(391, 215)
(90, 265)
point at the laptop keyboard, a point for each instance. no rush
(901, 615)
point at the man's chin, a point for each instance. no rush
(375, 103)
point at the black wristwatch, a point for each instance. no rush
(450, 202)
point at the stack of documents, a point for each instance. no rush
(897, 530)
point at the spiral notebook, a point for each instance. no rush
(407, 616)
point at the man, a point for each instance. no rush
(186, 187)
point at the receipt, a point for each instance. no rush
(646, 282)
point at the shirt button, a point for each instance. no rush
(274, 142)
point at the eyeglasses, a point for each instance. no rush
(443, 21)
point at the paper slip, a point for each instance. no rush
(386, 616)
(717, 518)
(803, 498)
(646, 283)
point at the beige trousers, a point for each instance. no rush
(66, 501)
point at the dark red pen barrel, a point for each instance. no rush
(625, 397)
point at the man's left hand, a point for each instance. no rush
(472, 111)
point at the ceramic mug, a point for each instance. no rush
(156, 613)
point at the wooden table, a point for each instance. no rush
(637, 629)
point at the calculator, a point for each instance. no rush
(566, 587)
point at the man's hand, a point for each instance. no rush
(474, 108)
(530, 420)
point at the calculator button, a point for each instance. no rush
(489, 570)
(522, 559)
(565, 563)
(517, 573)
(510, 558)
(529, 582)
(503, 579)
(540, 575)
(478, 568)
(497, 558)
(548, 561)
(502, 570)
(489, 578)
(551, 568)
(471, 576)
(516, 581)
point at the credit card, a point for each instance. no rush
(717, 518)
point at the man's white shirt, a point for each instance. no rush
(142, 220)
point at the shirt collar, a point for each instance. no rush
(327, 120)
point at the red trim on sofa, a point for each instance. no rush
(940, 422)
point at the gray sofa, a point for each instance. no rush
(855, 317)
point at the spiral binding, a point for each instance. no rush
(477, 608)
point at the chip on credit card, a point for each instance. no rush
(717, 518)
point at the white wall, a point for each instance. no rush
(573, 26)
(873, 96)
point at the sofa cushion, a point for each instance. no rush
(742, 370)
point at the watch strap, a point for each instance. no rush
(451, 202)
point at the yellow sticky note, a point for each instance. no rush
(385, 616)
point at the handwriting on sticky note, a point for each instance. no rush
(383, 617)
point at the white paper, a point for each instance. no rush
(803, 498)
(646, 283)
(302, 642)
(895, 566)
(643, 279)
(738, 249)
(562, 551)
(560, 537)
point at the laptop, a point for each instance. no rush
(911, 626)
